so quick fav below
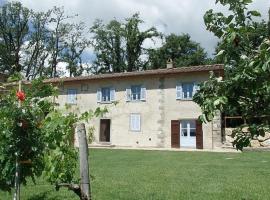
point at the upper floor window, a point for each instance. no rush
(136, 93)
(186, 90)
(106, 94)
(71, 96)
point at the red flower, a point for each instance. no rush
(20, 95)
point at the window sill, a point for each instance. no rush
(133, 131)
(184, 99)
(136, 101)
(105, 102)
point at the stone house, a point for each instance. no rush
(154, 108)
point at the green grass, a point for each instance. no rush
(146, 175)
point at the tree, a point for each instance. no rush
(108, 46)
(181, 49)
(34, 43)
(14, 28)
(134, 41)
(35, 52)
(246, 86)
(75, 45)
(119, 46)
(38, 135)
(256, 35)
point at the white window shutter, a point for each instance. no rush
(74, 96)
(135, 122)
(128, 94)
(138, 123)
(143, 93)
(112, 94)
(179, 91)
(99, 95)
(131, 122)
(196, 87)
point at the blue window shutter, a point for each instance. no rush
(179, 91)
(143, 93)
(99, 95)
(112, 94)
(128, 94)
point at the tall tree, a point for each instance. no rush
(34, 43)
(246, 86)
(108, 46)
(75, 45)
(181, 49)
(35, 52)
(119, 46)
(14, 20)
(134, 42)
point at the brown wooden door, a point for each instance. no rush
(105, 130)
(175, 134)
(199, 135)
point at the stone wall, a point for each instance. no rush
(216, 131)
(257, 142)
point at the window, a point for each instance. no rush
(136, 93)
(135, 122)
(71, 96)
(188, 128)
(106, 94)
(186, 90)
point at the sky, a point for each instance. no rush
(168, 16)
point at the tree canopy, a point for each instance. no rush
(245, 89)
(50, 44)
(34, 43)
(119, 46)
(181, 49)
(38, 134)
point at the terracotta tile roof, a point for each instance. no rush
(180, 70)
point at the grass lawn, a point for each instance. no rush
(146, 175)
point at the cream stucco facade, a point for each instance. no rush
(157, 110)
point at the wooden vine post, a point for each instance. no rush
(84, 164)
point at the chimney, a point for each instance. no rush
(169, 63)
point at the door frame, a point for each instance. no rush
(109, 129)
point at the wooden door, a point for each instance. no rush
(199, 135)
(175, 137)
(105, 126)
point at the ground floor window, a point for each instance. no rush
(135, 122)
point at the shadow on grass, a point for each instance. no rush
(43, 196)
